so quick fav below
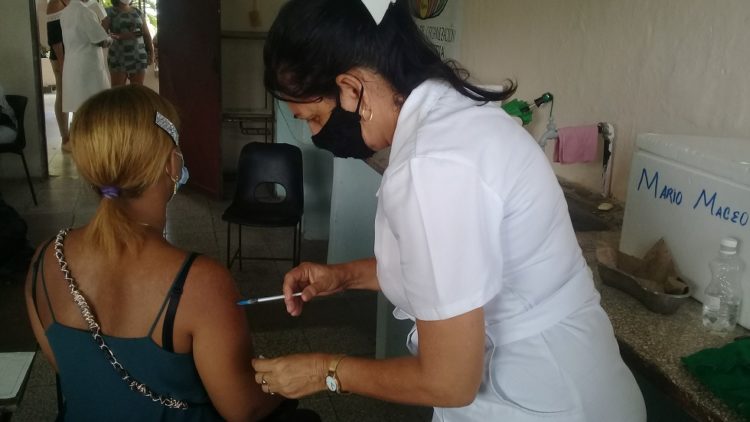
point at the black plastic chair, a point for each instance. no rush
(258, 201)
(18, 103)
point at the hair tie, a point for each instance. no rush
(109, 192)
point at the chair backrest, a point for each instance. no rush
(270, 163)
(18, 103)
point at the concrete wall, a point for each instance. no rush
(667, 66)
(18, 75)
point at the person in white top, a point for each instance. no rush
(473, 240)
(86, 70)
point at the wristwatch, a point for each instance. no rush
(332, 380)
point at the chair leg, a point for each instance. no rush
(297, 244)
(28, 179)
(229, 249)
(294, 247)
(239, 250)
(60, 399)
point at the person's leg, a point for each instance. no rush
(118, 78)
(137, 77)
(61, 117)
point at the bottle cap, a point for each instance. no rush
(728, 246)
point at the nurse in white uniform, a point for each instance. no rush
(473, 240)
(84, 37)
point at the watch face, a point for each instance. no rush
(332, 384)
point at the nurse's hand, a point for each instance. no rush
(312, 280)
(292, 376)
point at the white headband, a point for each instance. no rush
(377, 8)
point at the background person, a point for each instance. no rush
(473, 240)
(85, 69)
(131, 51)
(169, 316)
(57, 60)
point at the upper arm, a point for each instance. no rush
(59, 51)
(34, 319)
(145, 31)
(451, 356)
(446, 372)
(221, 343)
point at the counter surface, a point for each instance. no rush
(652, 343)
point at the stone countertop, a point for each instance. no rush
(652, 343)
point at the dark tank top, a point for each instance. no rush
(91, 388)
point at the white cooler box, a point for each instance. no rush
(692, 191)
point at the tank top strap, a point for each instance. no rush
(34, 275)
(175, 291)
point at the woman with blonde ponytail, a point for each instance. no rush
(114, 285)
(123, 154)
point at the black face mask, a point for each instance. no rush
(342, 133)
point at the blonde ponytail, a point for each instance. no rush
(120, 151)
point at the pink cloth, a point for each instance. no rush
(577, 144)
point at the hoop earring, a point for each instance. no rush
(371, 114)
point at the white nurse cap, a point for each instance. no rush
(377, 8)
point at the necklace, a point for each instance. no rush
(99, 340)
(153, 228)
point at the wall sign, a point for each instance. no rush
(440, 21)
(701, 200)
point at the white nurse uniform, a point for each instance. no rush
(85, 72)
(470, 214)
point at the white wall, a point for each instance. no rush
(667, 66)
(18, 75)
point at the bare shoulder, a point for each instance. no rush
(210, 301)
(210, 283)
(55, 6)
(36, 257)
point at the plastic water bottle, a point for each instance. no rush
(723, 296)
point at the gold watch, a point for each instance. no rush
(332, 380)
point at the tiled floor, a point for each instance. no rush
(341, 324)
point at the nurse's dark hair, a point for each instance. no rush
(311, 42)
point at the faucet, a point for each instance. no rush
(550, 133)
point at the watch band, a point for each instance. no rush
(332, 367)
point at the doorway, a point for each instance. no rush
(59, 163)
(187, 74)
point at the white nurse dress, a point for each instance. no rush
(85, 70)
(470, 214)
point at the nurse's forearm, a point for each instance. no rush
(446, 373)
(360, 274)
